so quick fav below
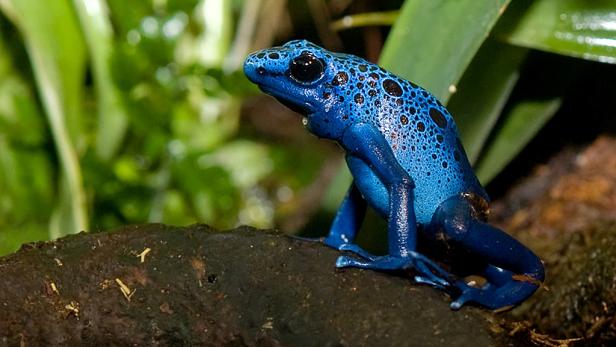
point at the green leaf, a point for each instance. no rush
(433, 41)
(58, 64)
(246, 162)
(584, 29)
(26, 174)
(519, 126)
(24, 181)
(213, 43)
(483, 91)
(112, 118)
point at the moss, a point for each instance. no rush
(581, 300)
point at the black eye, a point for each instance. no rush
(306, 68)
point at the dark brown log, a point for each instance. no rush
(198, 286)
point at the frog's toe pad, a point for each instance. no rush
(459, 302)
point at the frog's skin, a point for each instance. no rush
(407, 162)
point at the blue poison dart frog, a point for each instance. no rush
(407, 162)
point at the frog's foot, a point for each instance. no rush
(471, 294)
(495, 297)
(429, 272)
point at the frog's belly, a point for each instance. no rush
(370, 186)
(376, 193)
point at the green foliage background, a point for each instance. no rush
(115, 112)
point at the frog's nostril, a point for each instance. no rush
(261, 70)
(251, 68)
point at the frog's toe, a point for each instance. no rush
(486, 296)
(469, 294)
(425, 280)
(427, 276)
(352, 247)
(386, 263)
(430, 272)
(344, 261)
(459, 302)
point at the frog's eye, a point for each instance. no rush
(306, 68)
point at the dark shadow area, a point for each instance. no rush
(589, 103)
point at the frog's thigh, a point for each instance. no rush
(370, 185)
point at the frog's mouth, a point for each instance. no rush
(300, 107)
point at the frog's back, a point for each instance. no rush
(419, 129)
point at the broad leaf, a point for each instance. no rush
(483, 92)
(112, 118)
(432, 42)
(520, 125)
(584, 29)
(58, 66)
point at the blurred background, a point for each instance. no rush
(117, 112)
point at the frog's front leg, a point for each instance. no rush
(348, 219)
(370, 153)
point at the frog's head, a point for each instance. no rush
(299, 74)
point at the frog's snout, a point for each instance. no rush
(253, 69)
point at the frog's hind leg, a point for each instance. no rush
(513, 271)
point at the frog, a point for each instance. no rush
(408, 164)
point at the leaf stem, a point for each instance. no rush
(365, 19)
